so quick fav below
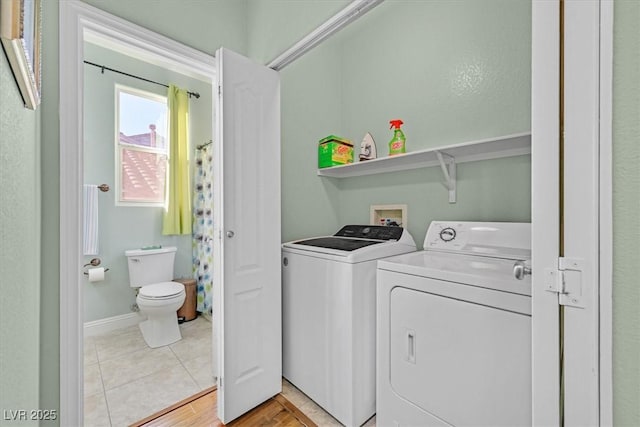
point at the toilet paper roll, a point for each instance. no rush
(96, 274)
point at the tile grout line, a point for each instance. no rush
(185, 368)
(132, 380)
(104, 390)
(118, 355)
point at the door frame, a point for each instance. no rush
(605, 183)
(79, 22)
(546, 145)
(545, 208)
(587, 138)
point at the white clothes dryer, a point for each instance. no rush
(329, 316)
(454, 329)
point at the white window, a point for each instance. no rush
(142, 147)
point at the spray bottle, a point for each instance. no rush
(397, 143)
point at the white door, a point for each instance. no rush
(247, 286)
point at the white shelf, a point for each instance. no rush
(484, 149)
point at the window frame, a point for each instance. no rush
(118, 146)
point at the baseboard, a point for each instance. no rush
(101, 326)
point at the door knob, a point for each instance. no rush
(520, 270)
(230, 234)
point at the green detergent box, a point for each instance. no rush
(333, 151)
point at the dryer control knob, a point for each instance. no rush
(520, 270)
(447, 234)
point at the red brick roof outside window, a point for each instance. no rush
(143, 172)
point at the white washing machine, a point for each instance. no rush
(454, 329)
(329, 316)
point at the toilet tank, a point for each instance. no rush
(150, 265)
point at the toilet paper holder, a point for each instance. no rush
(93, 263)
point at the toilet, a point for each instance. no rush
(151, 270)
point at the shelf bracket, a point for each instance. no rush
(448, 166)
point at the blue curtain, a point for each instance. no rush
(203, 228)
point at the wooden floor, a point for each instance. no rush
(200, 411)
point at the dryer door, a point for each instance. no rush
(464, 363)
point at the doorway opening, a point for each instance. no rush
(87, 152)
(126, 144)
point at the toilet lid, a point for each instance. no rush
(161, 290)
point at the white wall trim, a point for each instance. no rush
(115, 33)
(110, 324)
(78, 20)
(353, 11)
(606, 213)
(71, 295)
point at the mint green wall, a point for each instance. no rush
(310, 107)
(310, 93)
(493, 190)
(453, 72)
(456, 71)
(121, 227)
(19, 249)
(275, 25)
(50, 174)
(626, 213)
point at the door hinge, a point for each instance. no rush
(219, 90)
(566, 281)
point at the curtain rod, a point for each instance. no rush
(200, 147)
(346, 16)
(102, 67)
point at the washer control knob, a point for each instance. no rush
(447, 234)
(230, 234)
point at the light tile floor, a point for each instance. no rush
(126, 381)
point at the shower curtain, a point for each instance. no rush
(203, 228)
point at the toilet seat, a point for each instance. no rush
(160, 291)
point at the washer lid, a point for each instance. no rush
(161, 290)
(339, 243)
(355, 243)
